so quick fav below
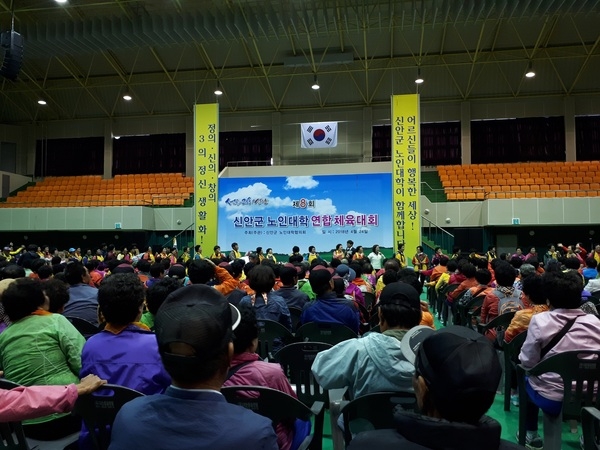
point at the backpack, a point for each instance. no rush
(509, 304)
(506, 305)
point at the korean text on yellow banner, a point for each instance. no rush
(206, 164)
(406, 171)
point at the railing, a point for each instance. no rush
(472, 193)
(185, 238)
(433, 194)
(173, 200)
(437, 234)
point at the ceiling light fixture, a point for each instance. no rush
(60, 1)
(419, 78)
(530, 73)
(42, 102)
(218, 90)
(127, 97)
(315, 85)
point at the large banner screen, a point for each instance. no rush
(325, 210)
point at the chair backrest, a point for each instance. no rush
(445, 290)
(513, 348)
(580, 373)
(86, 328)
(99, 410)
(11, 433)
(276, 405)
(370, 300)
(331, 333)
(376, 411)
(296, 360)
(271, 335)
(503, 320)
(295, 313)
(470, 306)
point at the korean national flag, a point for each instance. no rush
(319, 134)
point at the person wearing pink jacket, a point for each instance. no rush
(24, 403)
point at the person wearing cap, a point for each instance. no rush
(328, 308)
(194, 331)
(294, 298)
(83, 298)
(457, 372)
(375, 362)
(351, 290)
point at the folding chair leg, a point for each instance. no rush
(337, 436)
(552, 432)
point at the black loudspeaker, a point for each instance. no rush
(12, 43)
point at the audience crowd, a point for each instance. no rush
(164, 326)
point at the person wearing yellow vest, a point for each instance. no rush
(312, 254)
(400, 256)
(235, 252)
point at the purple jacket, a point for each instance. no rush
(129, 358)
(583, 335)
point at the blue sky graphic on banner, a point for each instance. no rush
(324, 210)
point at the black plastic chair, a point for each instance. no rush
(432, 299)
(331, 333)
(464, 310)
(295, 313)
(271, 337)
(278, 406)
(580, 375)
(99, 410)
(12, 435)
(590, 424)
(87, 329)
(511, 359)
(296, 361)
(500, 322)
(376, 410)
(370, 300)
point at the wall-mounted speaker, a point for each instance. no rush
(12, 43)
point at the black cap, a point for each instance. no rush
(319, 277)
(199, 316)
(398, 293)
(460, 367)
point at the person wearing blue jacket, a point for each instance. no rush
(376, 362)
(327, 308)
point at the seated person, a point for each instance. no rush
(563, 291)
(39, 348)
(468, 270)
(204, 271)
(192, 413)
(505, 292)
(288, 291)
(593, 284)
(375, 362)
(268, 304)
(247, 369)
(155, 296)
(457, 373)
(328, 308)
(125, 351)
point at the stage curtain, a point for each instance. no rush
(69, 157)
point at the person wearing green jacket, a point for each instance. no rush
(39, 348)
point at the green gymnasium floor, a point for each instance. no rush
(508, 419)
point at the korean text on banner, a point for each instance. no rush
(319, 134)
(206, 162)
(406, 171)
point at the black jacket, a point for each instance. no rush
(417, 432)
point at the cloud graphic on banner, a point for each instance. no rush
(300, 182)
(255, 197)
(323, 207)
(355, 213)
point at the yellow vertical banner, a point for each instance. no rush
(206, 183)
(406, 172)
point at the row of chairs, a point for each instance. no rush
(552, 167)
